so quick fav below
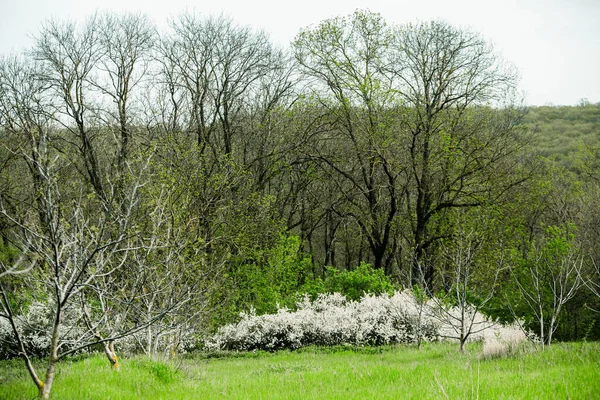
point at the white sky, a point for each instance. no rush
(555, 44)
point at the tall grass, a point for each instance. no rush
(435, 372)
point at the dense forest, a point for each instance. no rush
(164, 182)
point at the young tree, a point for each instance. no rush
(550, 276)
(469, 278)
(71, 248)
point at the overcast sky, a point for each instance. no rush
(555, 44)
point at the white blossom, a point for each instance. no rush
(331, 319)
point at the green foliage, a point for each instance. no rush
(561, 130)
(353, 283)
(558, 243)
(580, 319)
(267, 278)
(280, 275)
(8, 254)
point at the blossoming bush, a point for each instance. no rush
(35, 328)
(331, 319)
(506, 341)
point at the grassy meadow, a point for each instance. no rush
(437, 371)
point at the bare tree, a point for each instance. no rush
(72, 247)
(68, 54)
(26, 122)
(423, 305)
(469, 279)
(125, 44)
(186, 57)
(549, 278)
(163, 290)
(211, 68)
(175, 275)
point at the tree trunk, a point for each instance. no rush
(551, 329)
(542, 338)
(149, 340)
(45, 388)
(463, 334)
(109, 349)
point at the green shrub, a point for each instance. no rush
(353, 284)
(269, 278)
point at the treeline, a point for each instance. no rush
(154, 185)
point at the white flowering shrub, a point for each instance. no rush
(328, 320)
(6, 336)
(331, 319)
(502, 341)
(35, 330)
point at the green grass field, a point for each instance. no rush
(438, 371)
